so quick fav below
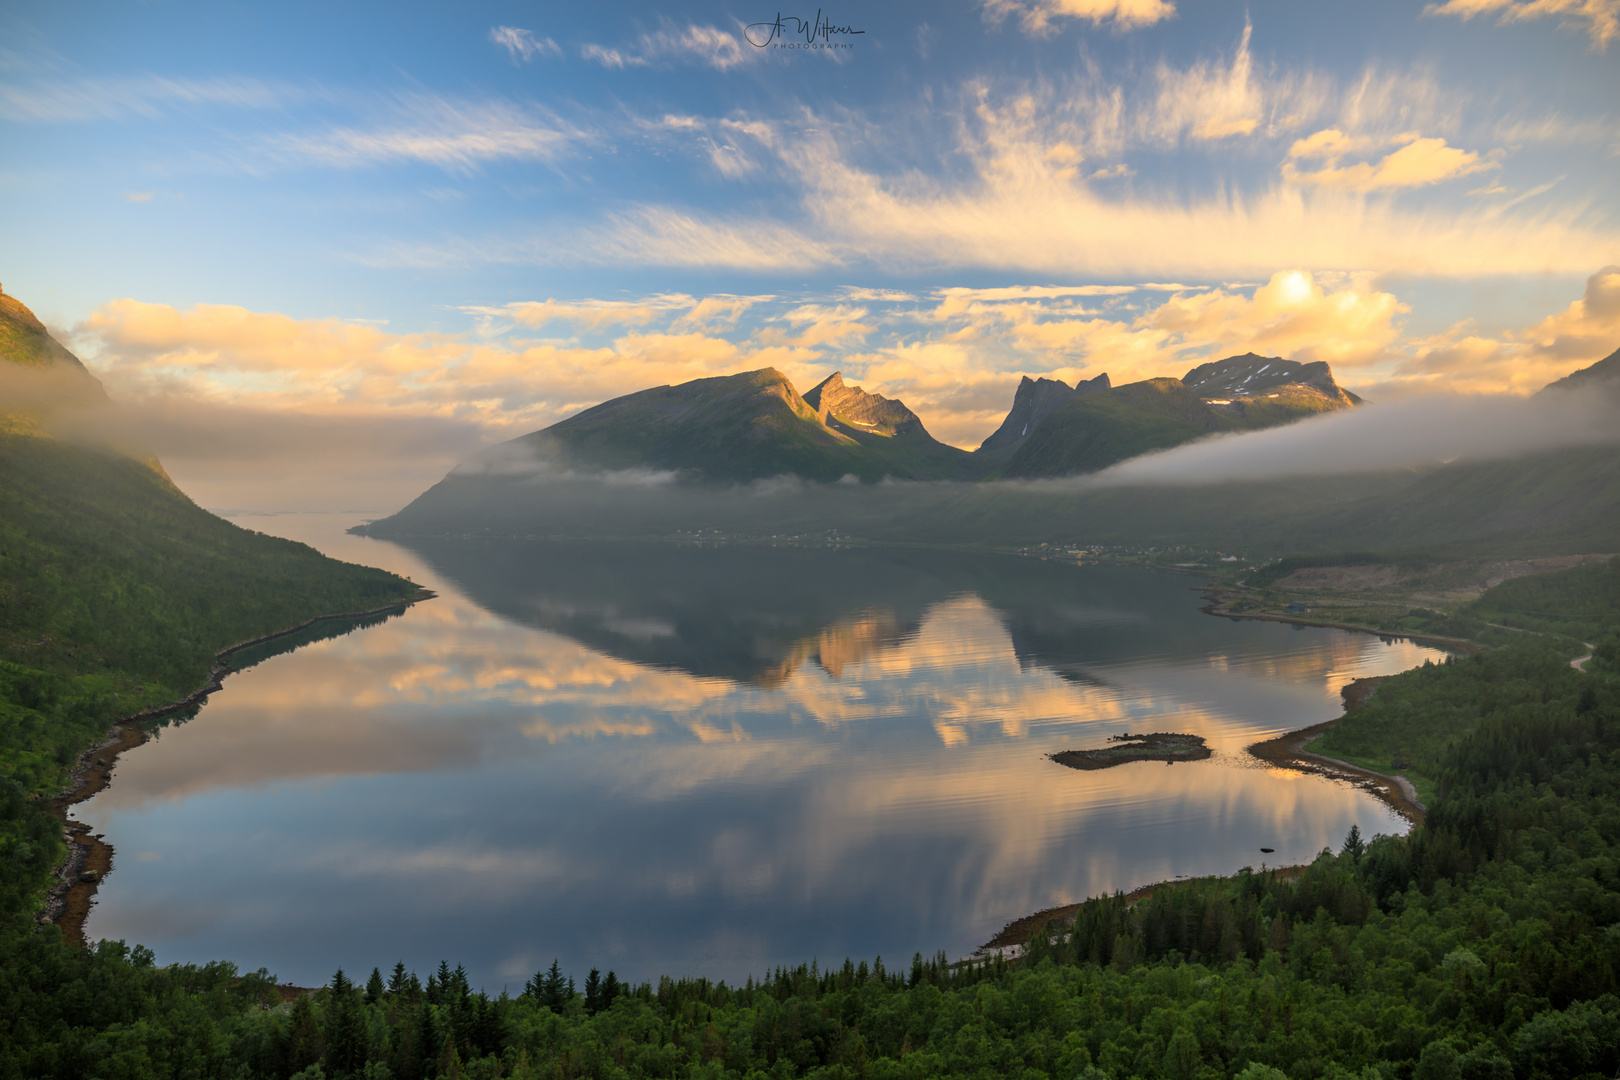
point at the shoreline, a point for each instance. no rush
(1217, 595)
(1286, 751)
(90, 857)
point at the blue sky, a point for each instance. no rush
(470, 220)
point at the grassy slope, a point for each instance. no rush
(1584, 600)
(115, 593)
(737, 428)
(1091, 431)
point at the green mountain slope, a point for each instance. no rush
(1088, 433)
(1601, 377)
(743, 427)
(1033, 401)
(1240, 393)
(116, 591)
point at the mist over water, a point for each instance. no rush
(711, 760)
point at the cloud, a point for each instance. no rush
(1208, 101)
(456, 135)
(1599, 20)
(77, 100)
(522, 45)
(1416, 431)
(1291, 315)
(1588, 329)
(1524, 360)
(1418, 163)
(609, 58)
(304, 397)
(1041, 17)
(706, 45)
(1013, 207)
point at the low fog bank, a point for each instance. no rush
(1419, 432)
(47, 389)
(1455, 472)
(228, 456)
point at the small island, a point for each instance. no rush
(1158, 746)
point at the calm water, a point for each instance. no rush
(711, 761)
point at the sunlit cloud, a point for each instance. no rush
(1022, 205)
(1599, 20)
(1419, 162)
(1208, 100)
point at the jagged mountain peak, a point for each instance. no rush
(24, 339)
(1250, 374)
(1033, 401)
(841, 406)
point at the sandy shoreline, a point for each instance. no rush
(90, 858)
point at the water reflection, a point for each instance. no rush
(659, 759)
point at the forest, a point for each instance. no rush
(1484, 945)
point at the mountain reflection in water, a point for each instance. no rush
(710, 761)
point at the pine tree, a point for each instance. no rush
(611, 988)
(396, 981)
(428, 1043)
(593, 992)
(374, 987)
(1354, 845)
(345, 1028)
(303, 1037)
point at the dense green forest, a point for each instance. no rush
(1483, 946)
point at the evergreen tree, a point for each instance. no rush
(611, 988)
(486, 1033)
(303, 1037)
(1354, 845)
(374, 987)
(396, 981)
(428, 1043)
(593, 992)
(345, 1028)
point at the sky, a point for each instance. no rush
(322, 252)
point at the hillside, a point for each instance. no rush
(740, 428)
(1601, 377)
(1033, 401)
(1240, 393)
(115, 592)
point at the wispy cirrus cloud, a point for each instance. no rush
(521, 45)
(73, 99)
(453, 134)
(709, 46)
(1599, 20)
(1042, 17)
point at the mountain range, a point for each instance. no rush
(698, 440)
(755, 425)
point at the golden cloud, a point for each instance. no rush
(1418, 163)
(1598, 19)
